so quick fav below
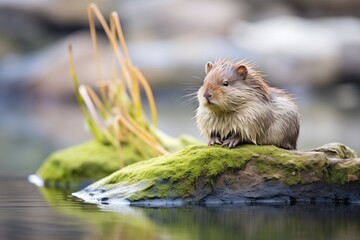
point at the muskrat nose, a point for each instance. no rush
(207, 95)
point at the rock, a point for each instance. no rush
(336, 150)
(80, 165)
(215, 175)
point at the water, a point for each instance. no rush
(28, 212)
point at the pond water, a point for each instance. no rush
(28, 212)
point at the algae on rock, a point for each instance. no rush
(215, 174)
(86, 162)
(91, 161)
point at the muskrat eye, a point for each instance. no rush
(226, 83)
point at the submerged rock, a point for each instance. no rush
(204, 175)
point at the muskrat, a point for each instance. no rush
(237, 106)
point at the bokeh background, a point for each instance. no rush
(309, 47)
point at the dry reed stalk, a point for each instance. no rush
(117, 116)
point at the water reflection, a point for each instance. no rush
(25, 215)
(126, 223)
(259, 222)
(26, 212)
(53, 214)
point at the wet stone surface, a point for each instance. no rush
(248, 174)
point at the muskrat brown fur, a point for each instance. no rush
(237, 106)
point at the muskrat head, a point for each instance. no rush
(228, 85)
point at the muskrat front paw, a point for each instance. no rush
(231, 142)
(214, 140)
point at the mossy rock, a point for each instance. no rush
(80, 164)
(202, 174)
(85, 163)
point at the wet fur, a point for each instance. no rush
(245, 111)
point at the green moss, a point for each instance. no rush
(194, 169)
(345, 172)
(92, 160)
(290, 168)
(175, 175)
(86, 162)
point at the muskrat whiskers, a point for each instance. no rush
(189, 98)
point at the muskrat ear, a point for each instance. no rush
(208, 67)
(242, 71)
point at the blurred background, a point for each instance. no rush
(310, 48)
